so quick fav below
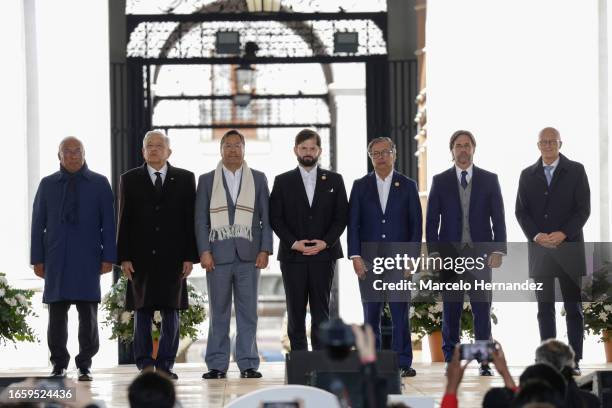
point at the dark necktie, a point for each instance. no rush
(158, 183)
(464, 182)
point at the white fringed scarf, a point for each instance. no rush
(220, 227)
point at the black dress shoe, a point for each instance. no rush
(213, 375)
(576, 370)
(250, 373)
(85, 374)
(58, 372)
(171, 374)
(485, 370)
(407, 372)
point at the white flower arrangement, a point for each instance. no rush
(15, 307)
(121, 321)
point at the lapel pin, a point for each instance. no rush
(332, 190)
(397, 184)
(324, 177)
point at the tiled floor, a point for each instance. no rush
(111, 384)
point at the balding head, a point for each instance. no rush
(549, 143)
(549, 132)
(71, 154)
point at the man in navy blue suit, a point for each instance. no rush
(465, 218)
(384, 207)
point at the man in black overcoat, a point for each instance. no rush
(156, 247)
(552, 206)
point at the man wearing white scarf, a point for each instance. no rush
(234, 241)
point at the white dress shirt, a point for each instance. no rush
(163, 172)
(383, 187)
(469, 170)
(309, 177)
(233, 182)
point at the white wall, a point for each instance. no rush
(504, 70)
(71, 91)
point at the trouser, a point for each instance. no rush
(401, 342)
(168, 340)
(574, 317)
(307, 283)
(57, 333)
(241, 278)
(480, 302)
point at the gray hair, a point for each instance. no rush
(68, 139)
(379, 140)
(155, 132)
(555, 353)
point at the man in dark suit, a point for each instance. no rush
(308, 212)
(385, 207)
(157, 247)
(465, 218)
(552, 205)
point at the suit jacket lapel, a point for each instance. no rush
(558, 173)
(394, 190)
(475, 186)
(454, 185)
(148, 182)
(320, 185)
(301, 188)
(538, 170)
(374, 191)
(169, 182)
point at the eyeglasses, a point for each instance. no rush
(549, 142)
(72, 152)
(382, 153)
(232, 146)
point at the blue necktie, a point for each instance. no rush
(464, 182)
(548, 173)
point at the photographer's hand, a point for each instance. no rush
(499, 360)
(454, 372)
(365, 342)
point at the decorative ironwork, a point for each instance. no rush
(263, 111)
(233, 6)
(288, 39)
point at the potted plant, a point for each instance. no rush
(121, 321)
(15, 307)
(597, 308)
(426, 320)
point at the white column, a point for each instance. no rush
(348, 90)
(604, 152)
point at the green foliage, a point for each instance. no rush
(121, 321)
(426, 312)
(15, 307)
(426, 318)
(598, 309)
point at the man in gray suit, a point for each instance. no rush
(234, 241)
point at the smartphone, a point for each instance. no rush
(480, 350)
(282, 404)
(310, 244)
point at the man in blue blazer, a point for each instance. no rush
(465, 217)
(384, 207)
